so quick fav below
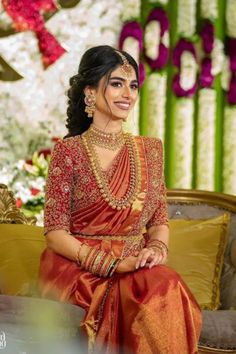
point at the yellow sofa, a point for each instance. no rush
(202, 249)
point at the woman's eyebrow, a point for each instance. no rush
(121, 79)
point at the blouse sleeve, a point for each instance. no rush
(160, 216)
(58, 189)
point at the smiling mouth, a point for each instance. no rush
(123, 105)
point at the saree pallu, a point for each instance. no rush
(146, 311)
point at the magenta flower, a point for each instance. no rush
(160, 16)
(181, 46)
(231, 94)
(207, 35)
(206, 78)
(134, 30)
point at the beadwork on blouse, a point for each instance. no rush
(71, 185)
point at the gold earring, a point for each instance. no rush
(90, 101)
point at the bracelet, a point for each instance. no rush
(100, 263)
(158, 244)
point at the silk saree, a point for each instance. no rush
(147, 311)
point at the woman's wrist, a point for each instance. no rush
(97, 262)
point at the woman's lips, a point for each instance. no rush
(123, 105)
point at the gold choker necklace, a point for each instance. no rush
(135, 174)
(111, 141)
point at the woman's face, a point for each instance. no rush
(119, 97)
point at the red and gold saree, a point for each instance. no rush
(147, 311)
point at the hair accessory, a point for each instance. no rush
(125, 67)
(90, 101)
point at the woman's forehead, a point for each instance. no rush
(118, 72)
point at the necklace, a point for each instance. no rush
(135, 173)
(110, 141)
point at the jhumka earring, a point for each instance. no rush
(90, 101)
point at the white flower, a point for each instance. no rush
(206, 139)
(186, 17)
(225, 74)
(163, 2)
(231, 18)
(218, 57)
(156, 91)
(183, 143)
(152, 39)
(131, 9)
(22, 192)
(209, 9)
(38, 183)
(229, 171)
(188, 70)
(131, 46)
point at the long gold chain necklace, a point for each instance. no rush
(111, 141)
(135, 173)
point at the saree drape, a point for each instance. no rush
(147, 311)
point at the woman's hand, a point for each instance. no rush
(127, 265)
(149, 257)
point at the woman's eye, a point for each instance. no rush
(116, 84)
(134, 87)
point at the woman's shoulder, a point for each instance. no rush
(150, 142)
(69, 143)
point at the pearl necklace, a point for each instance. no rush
(135, 173)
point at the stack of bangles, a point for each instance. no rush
(99, 263)
(158, 245)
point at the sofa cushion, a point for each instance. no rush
(20, 250)
(197, 252)
(219, 329)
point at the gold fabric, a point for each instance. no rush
(196, 253)
(20, 249)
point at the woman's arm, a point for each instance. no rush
(61, 242)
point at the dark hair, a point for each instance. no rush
(95, 63)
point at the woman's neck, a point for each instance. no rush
(109, 125)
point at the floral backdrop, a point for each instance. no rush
(186, 51)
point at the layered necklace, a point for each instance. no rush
(112, 141)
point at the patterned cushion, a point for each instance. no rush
(219, 329)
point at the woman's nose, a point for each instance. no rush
(126, 91)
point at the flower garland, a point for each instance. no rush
(156, 91)
(206, 139)
(183, 143)
(229, 171)
(184, 58)
(206, 76)
(27, 15)
(209, 9)
(156, 39)
(186, 19)
(229, 83)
